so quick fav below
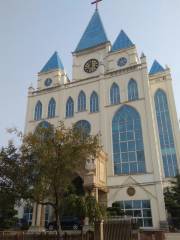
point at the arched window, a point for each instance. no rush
(84, 126)
(94, 102)
(44, 130)
(38, 111)
(114, 94)
(70, 107)
(132, 90)
(44, 124)
(81, 102)
(128, 147)
(52, 108)
(166, 138)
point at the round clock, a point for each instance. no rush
(91, 65)
(48, 82)
(122, 61)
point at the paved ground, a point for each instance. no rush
(172, 236)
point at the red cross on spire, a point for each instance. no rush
(96, 2)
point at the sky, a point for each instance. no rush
(31, 30)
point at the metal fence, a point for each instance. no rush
(112, 229)
(45, 236)
(117, 230)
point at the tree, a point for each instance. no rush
(115, 210)
(172, 201)
(7, 211)
(47, 162)
(9, 192)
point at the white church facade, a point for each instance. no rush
(113, 93)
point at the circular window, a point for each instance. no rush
(48, 82)
(122, 61)
(131, 191)
(83, 126)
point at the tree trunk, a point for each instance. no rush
(58, 223)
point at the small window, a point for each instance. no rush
(51, 108)
(114, 94)
(38, 111)
(94, 102)
(81, 102)
(70, 108)
(132, 90)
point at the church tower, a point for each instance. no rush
(91, 51)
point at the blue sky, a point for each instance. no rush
(31, 30)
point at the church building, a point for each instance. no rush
(113, 93)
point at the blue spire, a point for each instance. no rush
(53, 64)
(94, 34)
(156, 68)
(122, 42)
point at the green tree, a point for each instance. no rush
(115, 210)
(7, 211)
(83, 206)
(172, 201)
(47, 162)
(9, 187)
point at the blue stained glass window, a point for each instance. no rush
(81, 102)
(132, 90)
(128, 147)
(44, 124)
(94, 102)
(139, 210)
(52, 108)
(70, 107)
(28, 211)
(47, 215)
(38, 111)
(84, 126)
(114, 94)
(165, 134)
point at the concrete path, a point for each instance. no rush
(172, 236)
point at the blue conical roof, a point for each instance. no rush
(122, 42)
(94, 34)
(53, 63)
(156, 68)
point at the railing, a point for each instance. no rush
(12, 235)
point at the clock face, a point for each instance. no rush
(48, 82)
(91, 65)
(122, 61)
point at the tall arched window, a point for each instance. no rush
(94, 102)
(128, 147)
(70, 107)
(132, 90)
(81, 102)
(52, 108)
(114, 94)
(166, 138)
(27, 215)
(38, 111)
